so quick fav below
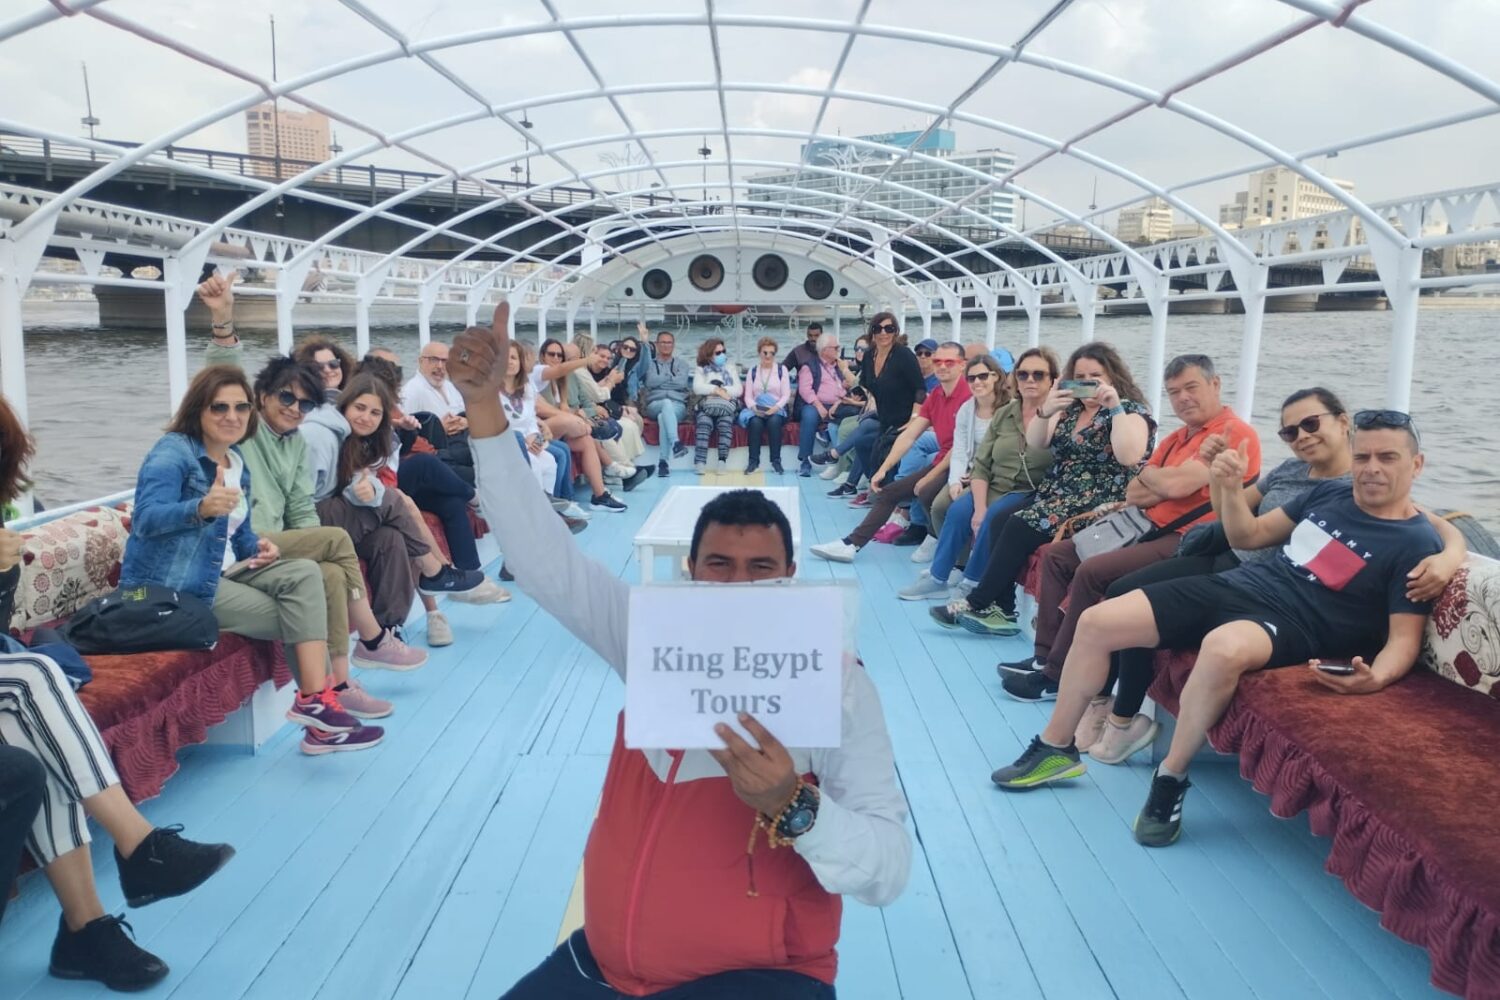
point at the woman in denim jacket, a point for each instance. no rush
(190, 530)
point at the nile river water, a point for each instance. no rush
(98, 399)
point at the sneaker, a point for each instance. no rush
(1035, 686)
(989, 621)
(101, 950)
(166, 864)
(679, 449)
(777, 469)
(606, 502)
(507, 576)
(822, 438)
(843, 490)
(862, 500)
(574, 511)
(663, 470)
(619, 470)
(641, 474)
(926, 550)
(924, 588)
(831, 472)
(450, 580)
(488, 592)
(1019, 668)
(948, 615)
(439, 632)
(1120, 743)
(390, 653)
(804, 469)
(824, 458)
(575, 525)
(964, 587)
(321, 711)
(558, 503)
(362, 704)
(316, 744)
(1091, 726)
(914, 534)
(1160, 821)
(887, 533)
(839, 551)
(751, 467)
(1039, 765)
(701, 468)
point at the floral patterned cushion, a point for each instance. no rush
(67, 563)
(1462, 642)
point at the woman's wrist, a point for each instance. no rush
(1115, 411)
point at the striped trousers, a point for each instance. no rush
(40, 714)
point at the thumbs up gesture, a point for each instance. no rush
(220, 500)
(1229, 467)
(364, 490)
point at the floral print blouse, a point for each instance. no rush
(1084, 473)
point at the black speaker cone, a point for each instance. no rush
(656, 283)
(769, 272)
(706, 272)
(818, 285)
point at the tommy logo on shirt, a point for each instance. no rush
(1327, 556)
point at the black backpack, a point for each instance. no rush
(144, 618)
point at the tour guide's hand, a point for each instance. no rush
(1430, 577)
(476, 365)
(1362, 681)
(265, 554)
(764, 779)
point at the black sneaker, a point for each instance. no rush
(101, 950)
(507, 576)
(914, 534)
(1039, 765)
(663, 469)
(776, 468)
(641, 475)
(823, 458)
(166, 865)
(751, 467)
(606, 502)
(845, 490)
(450, 580)
(1160, 821)
(1019, 668)
(1035, 686)
(679, 449)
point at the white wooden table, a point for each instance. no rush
(669, 529)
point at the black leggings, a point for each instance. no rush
(436, 489)
(1012, 546)
(1137, 667)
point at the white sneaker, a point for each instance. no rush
(1115, 745)
(619, 470)
(964, 587)
(925, 588)
(830, 471)
(439, 632)
(839, 551)
(573, 510)
(488, 592)
(924, 552)
(700, 468)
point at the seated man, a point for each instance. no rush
(665, 385)
(664, 910)
(1338, 589)
(1172, 490)
(937, 416)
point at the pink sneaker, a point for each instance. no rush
(861, 500)
(390, 654)
(1116, 745)
(889, 532)
(315, 744)
(1090, 727)
(362, 704)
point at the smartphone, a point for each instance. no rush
(619, 363)
(1337, 669)
(1082, 388)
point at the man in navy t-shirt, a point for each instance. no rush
(1338, 588)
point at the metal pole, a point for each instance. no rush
(172, 279)
(361, 327)
(1254, 299)
(275, 104)
(1158, 358)
(286, 299)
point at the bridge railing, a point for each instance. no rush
(366, 177)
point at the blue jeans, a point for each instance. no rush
(956, 533)
(862, 444)
(668, 414)
(771, 426)
(807, 431)
(563, 488)
(995, 517)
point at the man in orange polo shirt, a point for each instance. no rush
(1172, 490)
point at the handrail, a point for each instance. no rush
(43, 517)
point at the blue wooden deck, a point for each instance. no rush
(441, 864)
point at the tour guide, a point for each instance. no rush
(676, 905)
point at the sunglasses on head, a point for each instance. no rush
(886, 327)
(1308, 424)
(219, 409)
(290, 399)
(1022, 375)
(1367, 420)
(979, 377)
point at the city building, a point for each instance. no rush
(1148, 222)
(1280, 194)
(813, 188)
(1232, 215)
(303, 138)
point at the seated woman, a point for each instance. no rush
(344, 461)
(551, 461)
(191, 526)
(1316, 425)
(768, 393)
(549, 376)
(893, 379)
(717, 386)
(1098, 444)
(334, 364)
(1002, 480)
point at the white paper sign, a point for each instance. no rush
(700, 654)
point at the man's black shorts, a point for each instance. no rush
(1189, 608)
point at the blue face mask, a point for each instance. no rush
(720, 358)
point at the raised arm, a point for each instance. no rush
(1226, 491)
(217, 293)
(586, 597)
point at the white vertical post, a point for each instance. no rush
(1086, 305)
(18, 262)
(838, 315)
(426, 303)
(471, 311)
(594, 320)
(953, 304)
(176, 315)
(1154, 288)
(1254, 299)
(361, 327)
(285, 300)
(1400, 267)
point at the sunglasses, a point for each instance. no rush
(219, 409)
(630, 351)
(978, 377)
(1308, 425)
(1366, 420)
(885, 328)
(330, 365)
(947, 362)
(923, 354)
(1023, 375)
(553, 354)
(290, 399)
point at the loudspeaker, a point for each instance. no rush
(706, 272)
(818, 284)
(769, 272)
(656, 283)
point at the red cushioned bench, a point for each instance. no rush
(687, 433)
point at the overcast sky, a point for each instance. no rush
(1324, 86)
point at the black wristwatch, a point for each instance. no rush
(800, 815)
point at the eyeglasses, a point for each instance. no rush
(1395, 420)
(946, 362)
(290, 399)
(330, 365)
(430, 359)
(978, 377)
(1308, 425)
(886, 327)
(1022, 375)
(219, 409)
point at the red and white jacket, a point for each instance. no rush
(670, 892)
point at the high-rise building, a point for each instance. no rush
(303, 139)
(1148, 222)
(1280, 194)
(951, 179)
